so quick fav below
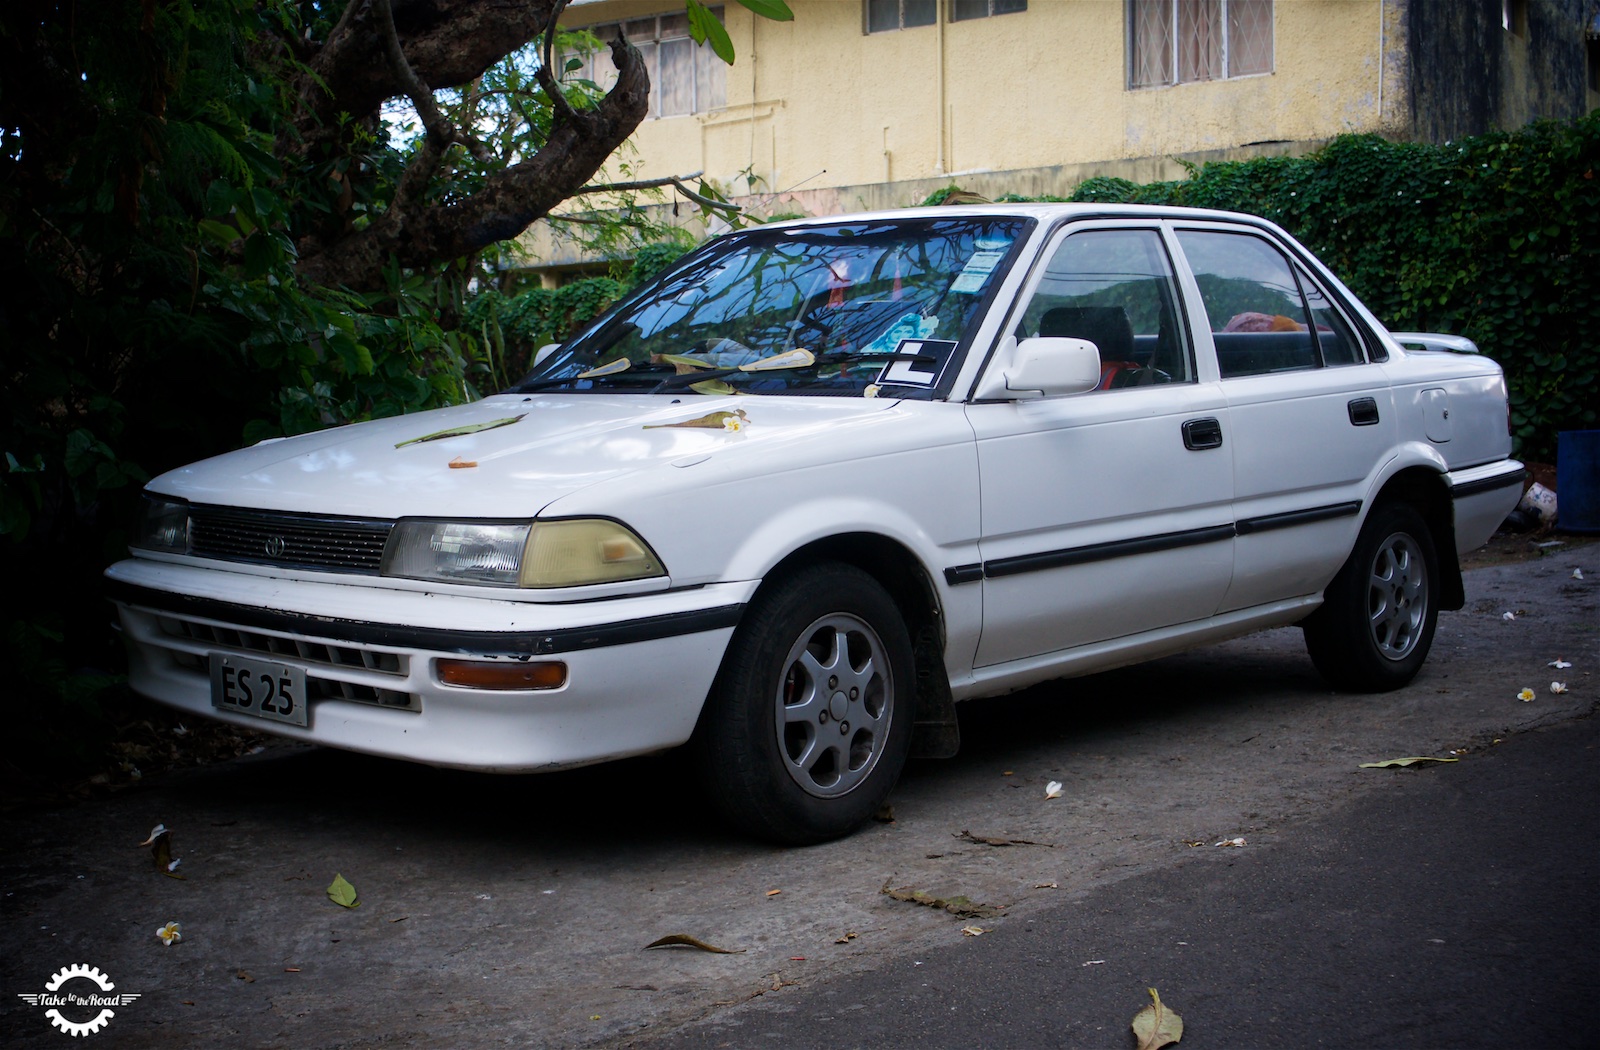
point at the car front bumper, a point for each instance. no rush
(638, 668)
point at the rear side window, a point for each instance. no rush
(1265, 314)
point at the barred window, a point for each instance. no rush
(685, 77)
(1181, 41)
(961, 10)
(884, 15)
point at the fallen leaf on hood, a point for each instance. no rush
(686, 941)
(734, 420)
(461, 431)
(961, 907)
(461, 464)
(1399, 763)
(342, 893)
(1156, 1026)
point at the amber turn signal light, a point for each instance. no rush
(477, 674)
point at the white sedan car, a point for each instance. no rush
(791, 501)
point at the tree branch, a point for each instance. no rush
(546, 75)
(678, 181)
(441, 133)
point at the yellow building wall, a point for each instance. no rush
(819, 103)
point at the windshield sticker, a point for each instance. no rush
(908, 326)
(735, 421)
(471, 428)
(936, 354)
(977, 270)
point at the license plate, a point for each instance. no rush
(260, 688)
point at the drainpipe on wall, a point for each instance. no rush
(938, 21)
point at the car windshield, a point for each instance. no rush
(844, 309)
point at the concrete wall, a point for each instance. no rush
(819, 102)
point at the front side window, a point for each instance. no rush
(1265, 315)
(846, 309)
(884, 15)
(1181, 41)
(685, 77)
(1115, 289)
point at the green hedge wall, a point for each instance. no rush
(1495, 237)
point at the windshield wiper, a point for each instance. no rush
(640, 373)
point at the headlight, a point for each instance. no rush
(586, 550)
(519, 554)
(163, 525)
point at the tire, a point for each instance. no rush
(1376, 623)
(808, 724)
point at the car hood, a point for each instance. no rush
(544, 447)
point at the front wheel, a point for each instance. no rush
(1377, 618)
(808, 724)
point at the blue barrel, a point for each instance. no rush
(1578, 481)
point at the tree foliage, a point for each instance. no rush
(209, 234)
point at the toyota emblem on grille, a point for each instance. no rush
(274, 546)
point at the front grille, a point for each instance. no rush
(351, 545)
(292, 648)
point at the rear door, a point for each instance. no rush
(1312, 418)
(1107, 513)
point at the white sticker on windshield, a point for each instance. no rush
(934, 354)
(977, 270)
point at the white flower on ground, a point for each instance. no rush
(1558, 687)
(170, 934)
(1052, 789)
(1526, 695)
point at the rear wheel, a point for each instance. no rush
(1377, 618)
(809, 722)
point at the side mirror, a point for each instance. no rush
(1044, 366)
(545, 351)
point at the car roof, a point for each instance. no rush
(1048, 213)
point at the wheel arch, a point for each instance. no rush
(902, 574)
(1425, 489)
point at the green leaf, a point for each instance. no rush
(1399, 763)
(342, 893)
(1156, 1026)
(776, 10)
(471, 428)
(705, 27)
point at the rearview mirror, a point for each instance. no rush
(1047, 366)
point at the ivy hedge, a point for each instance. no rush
(1495, 237)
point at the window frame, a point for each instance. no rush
(989, 10)
(900, 10)
(1175, 45)
(652, 55)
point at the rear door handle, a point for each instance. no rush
(1199, 434)
(1363, 412)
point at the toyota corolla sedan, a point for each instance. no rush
(792, 501)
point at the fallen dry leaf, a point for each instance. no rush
(961, 907)
(244, 975)
(1399, 763)
(847, 938)
(773, 893)
(974, 930)
(985, 840)
(1156, 1026)
(461, 464)
(686, 941)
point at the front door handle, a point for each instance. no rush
(1201, 434)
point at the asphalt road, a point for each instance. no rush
(503, 911)
(1455, 906)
